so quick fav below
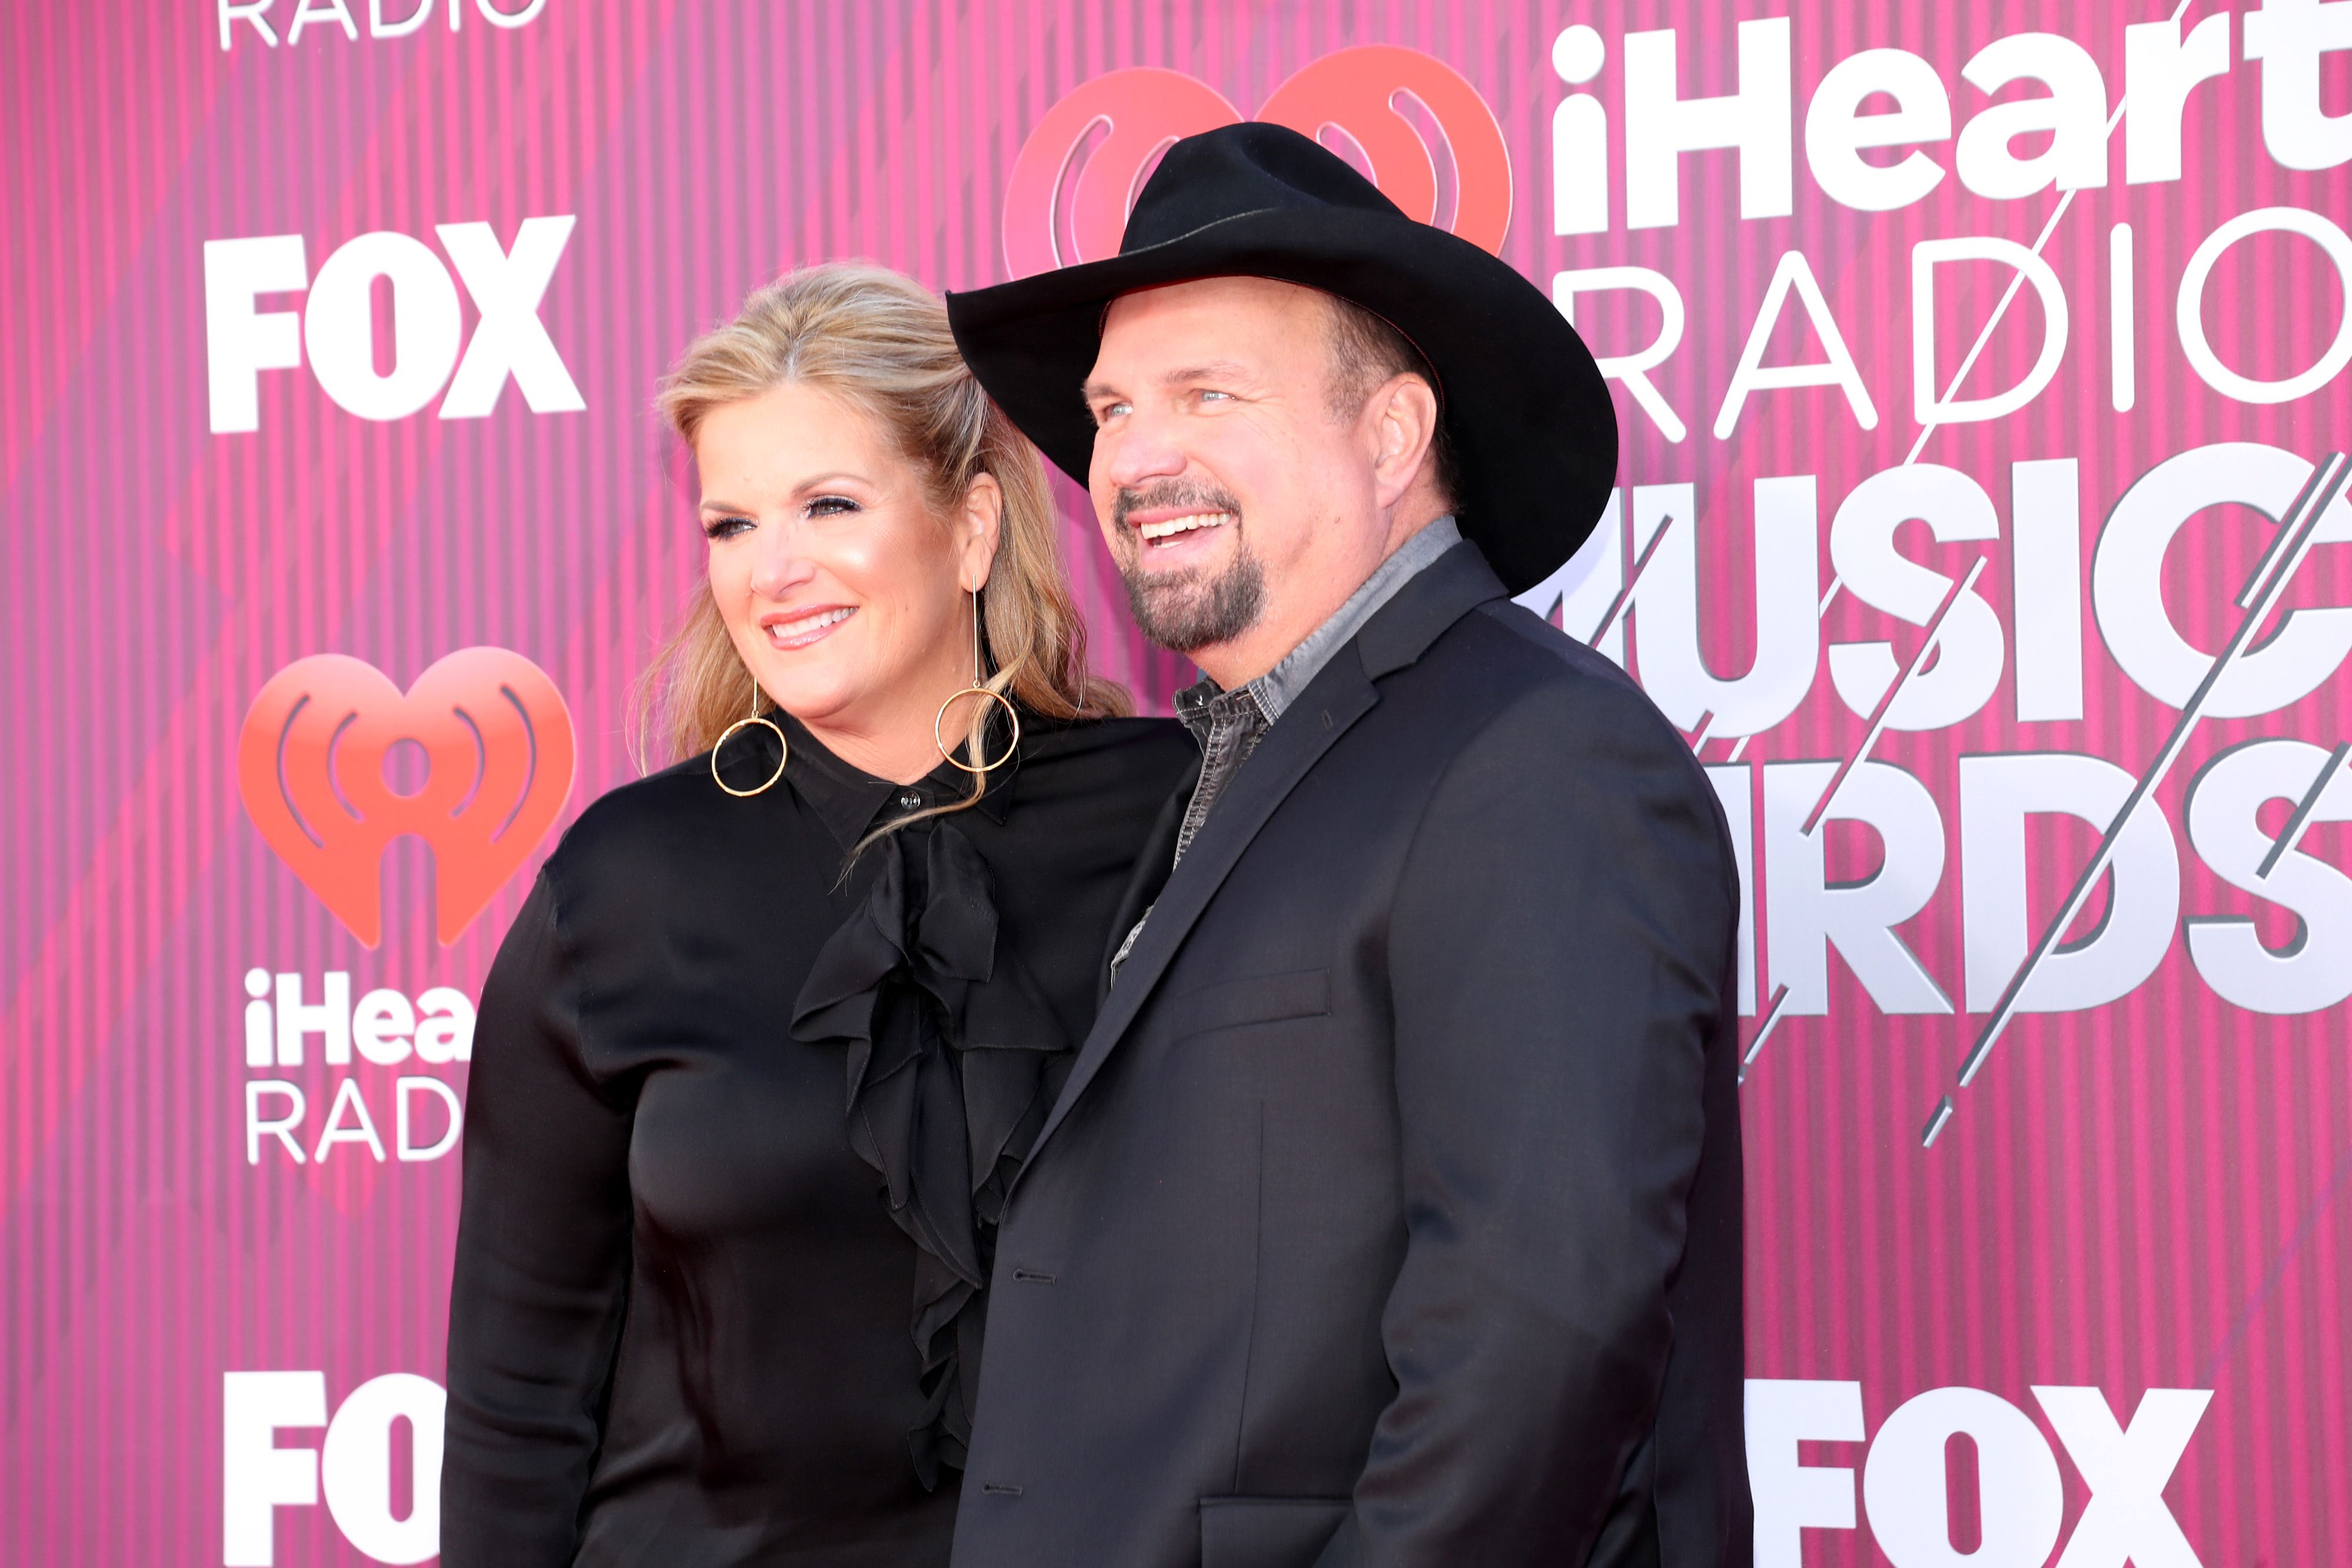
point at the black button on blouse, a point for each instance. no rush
(737, 1129)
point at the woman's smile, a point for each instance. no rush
(793, 629)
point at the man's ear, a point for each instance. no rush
(1404, 429)
(980, 525)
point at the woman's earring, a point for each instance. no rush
(783, 748)
(979, 687)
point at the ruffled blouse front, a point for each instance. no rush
(953, 1061)
(742, 1113)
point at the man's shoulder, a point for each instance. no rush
(1528, 724)
(1550, 652)
(1501, 664)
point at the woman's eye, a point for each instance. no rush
(831, 507)
(725, 528)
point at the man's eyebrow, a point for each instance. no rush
(1214, 371)
(1186, 375)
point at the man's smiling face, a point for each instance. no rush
(1241, 509)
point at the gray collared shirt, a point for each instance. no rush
(1229, 724)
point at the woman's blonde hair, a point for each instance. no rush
(879, 342)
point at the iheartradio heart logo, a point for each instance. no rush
(311, 766)
(1409, 120)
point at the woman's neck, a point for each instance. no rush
(896, 745)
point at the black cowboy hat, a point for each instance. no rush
(1534, 433)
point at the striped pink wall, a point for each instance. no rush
(2146, 1194)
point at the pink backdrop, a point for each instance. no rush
(2041, 1269)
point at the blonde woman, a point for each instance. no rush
(700, 1314)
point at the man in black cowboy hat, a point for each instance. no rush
(1391, 1212)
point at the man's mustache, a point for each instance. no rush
(1191, 495)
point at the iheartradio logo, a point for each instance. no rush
(311, 768)
(1407, 120)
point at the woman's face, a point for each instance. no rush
(845, 592)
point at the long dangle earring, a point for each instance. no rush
(783, 748)
(980, 688)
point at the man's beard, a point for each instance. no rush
(1190, 609)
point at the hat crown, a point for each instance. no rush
(1250, 167)
(1528, 412)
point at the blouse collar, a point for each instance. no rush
(852, 802)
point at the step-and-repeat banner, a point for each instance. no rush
(1982, 524)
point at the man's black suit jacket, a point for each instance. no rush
(1392, 1213)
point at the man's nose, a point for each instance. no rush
(1141, 448)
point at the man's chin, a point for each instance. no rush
(1189, 610)
(1170, 584)
(1169, 615)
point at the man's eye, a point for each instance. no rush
(1208, 396)
(1105, 412)
(725, 528)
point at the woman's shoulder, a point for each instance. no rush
(1150, 751)
(1108, 773)
(1093, 788)
(645, 831)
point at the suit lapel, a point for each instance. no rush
(1331, 703)
(1150, 876)
(1447, 589)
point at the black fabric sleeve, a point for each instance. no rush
(542, 1263)
(1558, 952)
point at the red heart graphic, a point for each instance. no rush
(1067, 196)
(310, 768)
(1052, 219)
(1357, 92)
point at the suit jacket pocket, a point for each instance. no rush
(1253, 999)
(1267, 1531)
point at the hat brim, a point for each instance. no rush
(1534, 432)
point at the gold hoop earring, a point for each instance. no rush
(977, 688)
(784, 746)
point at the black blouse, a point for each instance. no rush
(736, 1132)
